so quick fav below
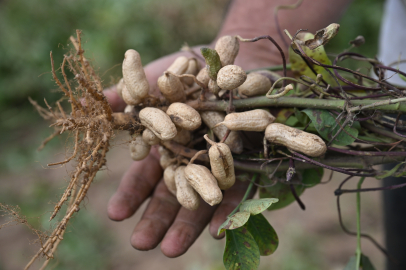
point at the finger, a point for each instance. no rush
(157, 218)
(117, 104)
(135, 186)
(231, 199)
(184, 231)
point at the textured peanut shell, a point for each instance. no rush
(169, 179)
(230, 77)
(128, 99)
(172, 88)
(165, 160)
(129, 109)
(134, 75)
(295, 139)
(203, 77)
(272, 76)
(227, 47)
(158, 122)
(192, 69)
(254, 120)
(183, 137)
(212, 118)
(213, 87)
(201, 179)
(149, 137)
(222, 165)
(185, 193)
(139, 149)
(179, 66)
(184, 116)
(255, 85)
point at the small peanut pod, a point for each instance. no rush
(134, 75)
(184, 116)
(179, 66)
(169, 179)
(166, 159)
(183, 137)
(213, 87)
(256, 84)
(221, 163)
(129, 109)
(139, 149)
(272, 76)
(171, 87)
(119, 87)
(191, 69)
(185, 193)
(158, 122)
(254, 120)
(128, 99)
(149, 137)
(201, 179)
(212, 118)
(227, 47)
(295, 139)
(230, 77)
(203, 76)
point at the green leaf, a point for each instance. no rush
(299, 67)
(241, 250)
(280, 191)
(312, 177)
(385, 174)
(263, 233)
(283, 116)
(235, 221)
(327, 127)
(301, 117)
(256, 206)
(212, 61)
(402, 77)
(365, 263)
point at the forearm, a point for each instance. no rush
(256, 18)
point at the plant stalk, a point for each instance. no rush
(247, 192)
(358, 250)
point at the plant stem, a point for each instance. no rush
(247, 192)
(358, 250)
(329, 104)
(272, 68)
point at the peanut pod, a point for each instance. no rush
(227, 47)
(192, 69)
(201, 179)
(171, 87)
(185, 193)
(179, 66)
(295, 139)
(254, 120)
(134, 75)
(149, 137)
(158, 122)
(221, 163)
(166, 159)
(183, 137)
(230, 77)
(184, 116)
(169, 179)
(256, 84)
(203, 77)
(139, 149)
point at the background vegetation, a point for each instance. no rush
(30, 29)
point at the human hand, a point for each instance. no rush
(164, 220)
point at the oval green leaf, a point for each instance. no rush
(256, 206)
(327, 127)
(312, 177)
(263, 233)
(241, 251)
(212, 61)
(235, 221)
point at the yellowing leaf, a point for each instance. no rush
(235, 221)
(256, 206)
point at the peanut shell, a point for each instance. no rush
(203, 76)
(139, 149)
(158, 122)
(184, 116)
(169, 179)
(172, 88)
(254, 120)
(192, 69)
(179, 66)
(230, 77)
(201, 179)
(255, 85)
(295, 139)
(227, 47)
(149, 137)
(185, 193)
(134, 75)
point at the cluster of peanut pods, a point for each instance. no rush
(174, 120)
